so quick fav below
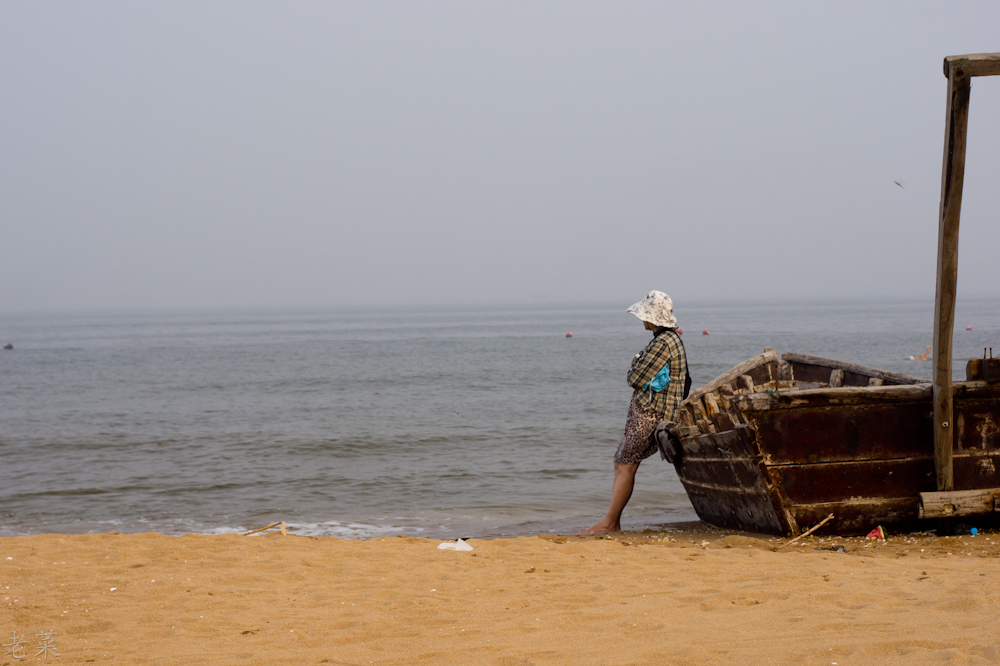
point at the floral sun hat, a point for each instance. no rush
(656, 308)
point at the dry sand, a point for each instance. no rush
(690, 596)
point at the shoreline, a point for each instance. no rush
(691, 594)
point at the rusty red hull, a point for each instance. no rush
(771, 447)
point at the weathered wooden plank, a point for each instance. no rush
(697, 409)
(952, 178)
(983, 369)
(834, 482)
(983, 396)
(860, 515)
(727, 377)
(764, 374)
(813, 435)
(826, 397)
(801, 361)
(974, 64)
(976, 469)
(958, 503)
(728, 507)
(736, 415)
(723, 421)
(732, 443)
(723, 472)
(991, 370)
(807, 372)
(976, 429)
(685, 431)
(727, 483)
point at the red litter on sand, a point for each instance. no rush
(877, 533)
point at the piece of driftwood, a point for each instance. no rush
(809, 531)
(280, 523)
(958, 503)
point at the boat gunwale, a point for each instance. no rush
(780, 397)
(769, 355)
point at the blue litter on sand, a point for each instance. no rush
(974, 531)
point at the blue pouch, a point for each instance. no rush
(660, 381)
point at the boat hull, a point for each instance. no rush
(776, 458)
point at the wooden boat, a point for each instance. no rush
(776, 445)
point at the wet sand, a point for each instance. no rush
(692, 595)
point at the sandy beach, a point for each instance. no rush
(690, 595)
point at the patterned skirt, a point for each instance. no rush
(637, 443)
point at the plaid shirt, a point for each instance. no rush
(664, 348)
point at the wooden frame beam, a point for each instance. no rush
(959, 70)
(976, 64)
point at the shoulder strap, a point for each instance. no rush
(687, 373)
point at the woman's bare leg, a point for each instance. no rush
(621, 491)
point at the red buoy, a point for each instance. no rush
(705, 332)
(968, 328)
(680, 331)
(569, 335)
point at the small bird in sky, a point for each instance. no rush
(899, 183)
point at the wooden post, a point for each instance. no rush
(958, 70)
(952, 177)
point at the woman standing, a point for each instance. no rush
(653, 400)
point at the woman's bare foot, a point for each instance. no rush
(602, 527)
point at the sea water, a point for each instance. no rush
(358, 424)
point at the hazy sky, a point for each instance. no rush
(314, 154)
